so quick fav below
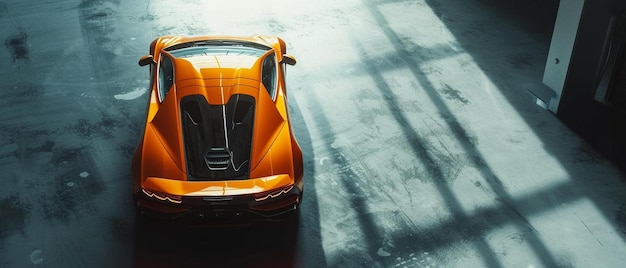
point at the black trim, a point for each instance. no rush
(217, 138)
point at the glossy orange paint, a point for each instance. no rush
(159, 166)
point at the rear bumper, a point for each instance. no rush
(208, 210)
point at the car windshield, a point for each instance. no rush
(207, 48)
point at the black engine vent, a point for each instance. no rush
(217, 138)
(217, 158)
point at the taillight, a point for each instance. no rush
(163, 197)
(273, 194)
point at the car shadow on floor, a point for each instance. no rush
(159, 244)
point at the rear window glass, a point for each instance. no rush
(217, 47)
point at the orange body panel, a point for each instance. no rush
(160, 164)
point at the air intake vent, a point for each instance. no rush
(217, 158)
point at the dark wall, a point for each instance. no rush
(596, 121)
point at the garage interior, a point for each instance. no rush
(472, 133)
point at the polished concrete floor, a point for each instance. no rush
(423, 147)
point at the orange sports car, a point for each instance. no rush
(218, 143)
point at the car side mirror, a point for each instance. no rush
(288, 59)
(145, 60)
